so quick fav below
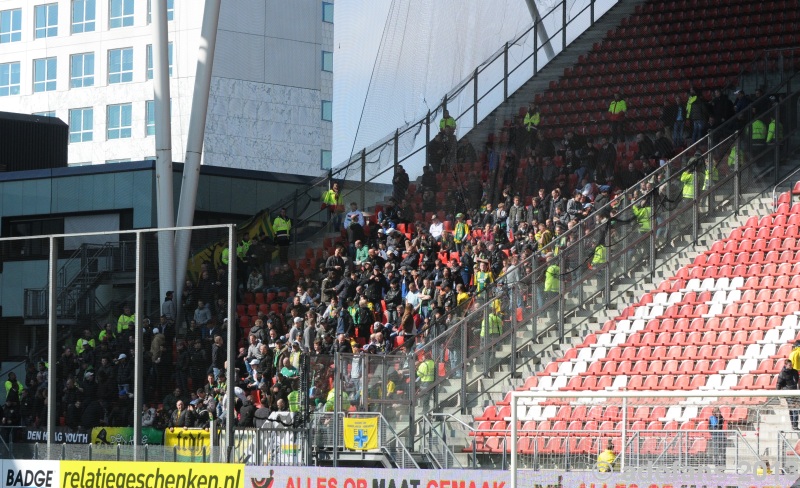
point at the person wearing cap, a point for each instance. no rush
(296, 331)
(124, 372)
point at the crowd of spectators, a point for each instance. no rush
(394, 279)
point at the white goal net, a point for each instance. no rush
(659, 437)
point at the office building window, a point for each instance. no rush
(9, 79)
(327, 12)
(150, 118)
(80, 124)
(44, 74)
(325, 159)
(81, 71)
(327, 61)
(46, 17)
(150, 60)
(48, 113)
(327, 110)
(170, 10)
(10, 26)
(83, 15)
(120, 13)
(120, 65)
(118, 121)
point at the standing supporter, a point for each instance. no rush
(616, 116)
(282, 226)
(333, 201)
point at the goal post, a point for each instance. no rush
(558, 438)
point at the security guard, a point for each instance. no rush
(226, 256)
(600, 256)
(532, 118)
(758, 131)
(616, 115)
(775, 131)
(448, 123)
(687, 179)
(495, 325)
(282, 225)
(426, 374)
(552, 278)
(643, 216)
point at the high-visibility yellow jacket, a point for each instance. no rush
(495, 325)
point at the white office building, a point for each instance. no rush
(89, 63)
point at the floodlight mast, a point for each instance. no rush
(194, 143)
(165, 210)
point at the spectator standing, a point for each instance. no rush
(282, 226)
(616, 116)
(400, 183)
(788, 380)
(168, 309)
(716, 424)
(697, 113)
(333, 201)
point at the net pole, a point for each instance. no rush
(624, 434)
(513, 479)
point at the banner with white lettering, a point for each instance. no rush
(28, 474)
(311, 477)
(62, 435)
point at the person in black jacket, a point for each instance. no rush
(247, 412)
(788, 380)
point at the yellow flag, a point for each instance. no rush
(361, 434)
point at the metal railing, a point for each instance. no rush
(77, 276)
(490, 84)
(538, 320)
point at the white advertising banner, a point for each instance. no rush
(655, 479)
(311, 477)
(30, 474)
